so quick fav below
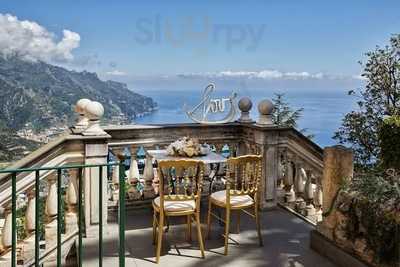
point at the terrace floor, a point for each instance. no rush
(286, 243)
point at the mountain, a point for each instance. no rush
(43, 95)
(14, 147)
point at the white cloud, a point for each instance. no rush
(34, 42)
(263, 74)
(116, 73)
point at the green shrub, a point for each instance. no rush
(389, 140)
(371, 202)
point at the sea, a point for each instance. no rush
(322, 116)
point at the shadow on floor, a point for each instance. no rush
(286, 243)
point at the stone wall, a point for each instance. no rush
(353, 219)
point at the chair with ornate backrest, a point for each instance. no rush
(243, 176)
(180, 186)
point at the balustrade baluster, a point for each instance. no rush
(133, 179)
(156, 181)
(30, 212)
(71, 216)
(280, 186)
(51, 212)
(289, 180)
(309, 195)
(115, 182)
(28, 245)
(148, 175)
(6, 237)
(7, 229)
(280, 182)
(1, 237)
(318, 198)
(300, 177)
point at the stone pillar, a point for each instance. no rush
(115, 175)
(71, 216)
(148, 176)
(51, 200)
(27, 246)
(156, 181)
(7, 229)
(318, 198)
(6, 237)
(96, 152)
(115, 183)
(94, 112)
(270, 153)
(280, 187)
(266, 143)
(133, 179)
(30, 212)
(51, 211)
(1, 237)
(308, 196)
(338, 168)
(290, 196)
(281, 170)
(299, 185)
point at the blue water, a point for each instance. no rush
(322, 115)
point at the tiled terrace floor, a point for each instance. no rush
(286, 243)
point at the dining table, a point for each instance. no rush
(211, 158)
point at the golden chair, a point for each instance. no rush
(180, 187)
(243, 177)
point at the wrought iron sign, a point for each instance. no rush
(211, 107)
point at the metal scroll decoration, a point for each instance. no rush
(208, 105)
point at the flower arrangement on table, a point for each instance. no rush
(187, 147)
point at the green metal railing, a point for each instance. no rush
(59, 170)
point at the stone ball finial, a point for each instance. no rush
(245, 104)
(82, 121)
(94, 110)
(265, 109)
(81, 105)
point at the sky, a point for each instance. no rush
(153, 44)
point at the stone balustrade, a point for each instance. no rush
(301, 188)
(48, 220)
(292, 167)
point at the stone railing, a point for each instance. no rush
(142, 177)
(300, 184)
(292, 167)
(66, 150)
(284, 150)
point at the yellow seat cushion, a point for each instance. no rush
(236, 201)
(178, 205)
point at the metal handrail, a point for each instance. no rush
(59, 170)
(75, 166)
